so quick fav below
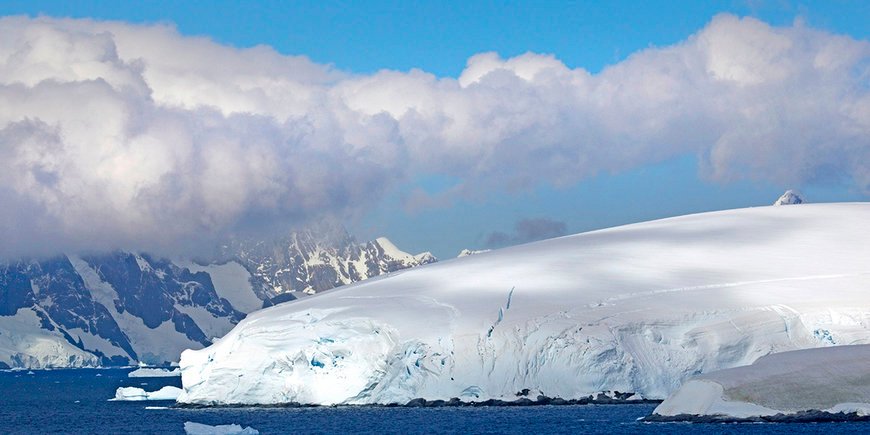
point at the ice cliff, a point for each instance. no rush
(637, 308)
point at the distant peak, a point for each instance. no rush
(790, 197)
(467, 252)
(387, 244)
(396, 253)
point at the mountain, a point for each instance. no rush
(113, 309)
(790, 197)
(319, 259)
(121, 308)
(637, 309)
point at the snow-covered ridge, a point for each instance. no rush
(638, 308)
(467, 252)
(831, 380)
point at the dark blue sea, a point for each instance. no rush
(76, 401)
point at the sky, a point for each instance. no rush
(442, 125)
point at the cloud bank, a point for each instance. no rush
(119, 135)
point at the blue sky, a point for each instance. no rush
(439, 37)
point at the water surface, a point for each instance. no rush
(75, 401)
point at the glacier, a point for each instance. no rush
(638, 308)
(830, 380)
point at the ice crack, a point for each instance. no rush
(501, 312)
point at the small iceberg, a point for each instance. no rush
(145, 372)
(191, 428)
(132, 394)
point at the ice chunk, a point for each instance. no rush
(145, 372)
(137, 394)
(191, 428)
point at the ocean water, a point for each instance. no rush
(76, 401)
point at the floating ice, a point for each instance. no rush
(137, 394)
(192, 428)
(154, 373)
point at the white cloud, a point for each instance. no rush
(120, 135)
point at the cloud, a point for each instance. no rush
(120, 135)
(527, 230)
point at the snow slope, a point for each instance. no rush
(231, 282)
(23, 343)
(835, 379)
(638, 308)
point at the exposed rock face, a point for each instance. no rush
(56, 293)
(157, 291)
(120, 307)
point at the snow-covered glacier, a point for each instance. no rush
(637, 308)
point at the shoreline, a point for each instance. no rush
(455, 402)
(811, 416)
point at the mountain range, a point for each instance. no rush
(123, 308)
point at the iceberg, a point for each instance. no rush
(133, 394)
(191, 428)
(827, 380)
(638, 308)
(147, 372)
